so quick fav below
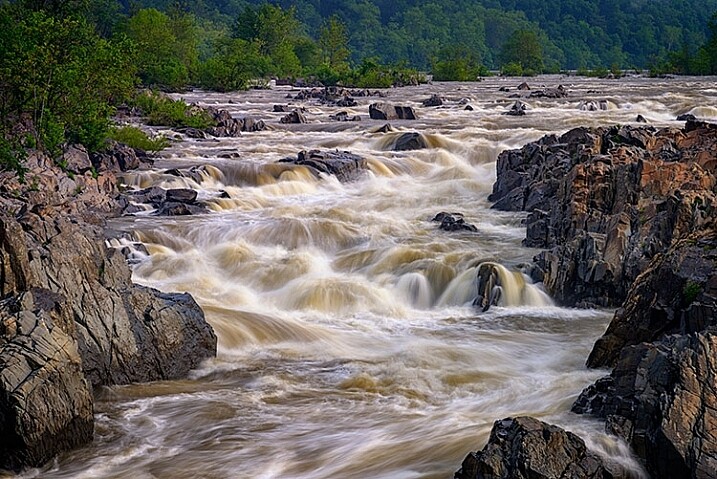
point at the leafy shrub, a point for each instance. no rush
(162, 110)
(512, 69)
(136, 138)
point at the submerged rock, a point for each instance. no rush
(526, 448)
(344, 116)
(345, 166)
(409, 141)
(434, 100)
(294, 117)
(518, 109)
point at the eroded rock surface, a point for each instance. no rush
(345, 166)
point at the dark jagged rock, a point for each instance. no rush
(76, 159)
(518, 109)
(687, 117)
(524, 86)
(409, 141)
(559, 92)
(594, 105)
(468, 108)
(526, 448)
(345, 166)
(661, 399)
(504, 89)
(453, 222)
(181, 195)
(434, 100)
(117, 157)
(173, 202)
(294, 117)
(281, 109)
(195, 133)
(641, 119)
(344, 116)
(386, 111)
(605, 201)
(385, 129)
(228, 126)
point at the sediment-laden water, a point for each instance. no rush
(348, 345)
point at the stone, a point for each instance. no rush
(434, 100)
(453, 222)
(640, 119)
(181, 195)
(686, 117)
(294, 117)
(344, 116)
(386, 111)
(76, 159)
(409, 141)
(518, 109)
(523, 86)
(526, 448)
(345, 166)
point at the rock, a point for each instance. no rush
(385, 111)
(526, 448)
(488, 286)
(294, 117)
(623, 194)
(385, 129)
(687, 117)
(228, 126)
(181, 195)
(193, 133)
(117, 157)
(45, 401)
(453, 222)
(523, 86)
(468, 108)
(76, 159)
(344, 116)
(559, 92)
(661, 399)
(409, 141)
(640, 119)
(518, 109)
(345, 166)
(434, 100)
(677, 293)
(281, 109)
(593, 105)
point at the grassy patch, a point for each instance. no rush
(161, 110)
(136, 138)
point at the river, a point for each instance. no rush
(348, 345)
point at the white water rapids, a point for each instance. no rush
(348, 345)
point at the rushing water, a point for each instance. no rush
(348, 345)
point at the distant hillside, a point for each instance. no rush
(574, 33)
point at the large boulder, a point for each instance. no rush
(45, 400)
(411, 140)
(526, 448)
(605, 201)
(345, 166)
(386, 111)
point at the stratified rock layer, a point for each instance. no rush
(605, 201)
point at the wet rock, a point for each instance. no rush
(526, 448)
(45, 401)
(661, 399)
(181, 195)
(687, 117)
(386, 111)
(623, 193)
(518, 109)
(640, 119)
(228, 126)
(294, 117)
(281, 109)
(434, 100)
(504, 89)
(453, 222)
(193, 133)
(524, 86)
(345, 166)
(468, 108)
(385, 129)
(593, 105)
(559, 92)
(344, 116)
(409, 141)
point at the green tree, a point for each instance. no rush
(523, 48)
(333, 43)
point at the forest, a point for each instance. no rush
(65, 64)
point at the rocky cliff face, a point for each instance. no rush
(627, 216)
(605, 201)
(70, 318)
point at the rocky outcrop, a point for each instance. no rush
(345, 166)
(676, 294)
(605, 201)
(409, 141)
(434, 100)
(661, 399)
(294, 117)
(70, 317)
(172, 202)
(228, 126)
(526, 448)
(117, 157)
(344, 116)
(386, 111)
(518, 109)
